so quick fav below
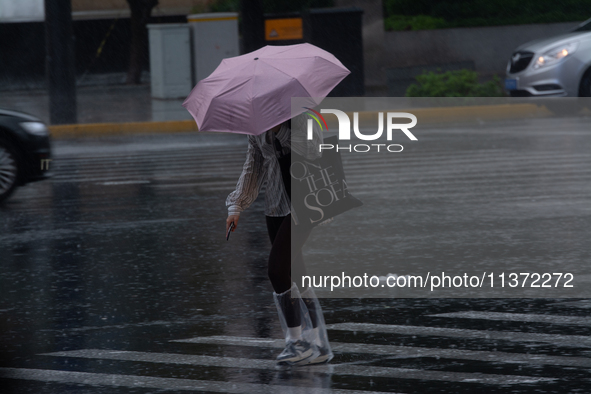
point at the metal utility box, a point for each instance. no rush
(215, 37)
(170, 60)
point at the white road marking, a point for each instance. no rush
(337, 369)
(555, 339)
(583, 304)
(408, 351)
(113, 183)
(102, 379)
(530, 318)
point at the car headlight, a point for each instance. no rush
(35, 128)
(555, 55)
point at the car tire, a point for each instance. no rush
(9, 170)
(585, 85)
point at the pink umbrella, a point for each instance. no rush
(250, 94)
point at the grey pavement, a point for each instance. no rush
(101, 104)
(117, 278)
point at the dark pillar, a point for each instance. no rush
(60, 66)
(339, 31)
(253, 25)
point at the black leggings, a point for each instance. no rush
(286, 261)
(286, 257)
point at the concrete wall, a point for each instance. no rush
(489, 48)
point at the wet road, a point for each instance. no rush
(116, 278)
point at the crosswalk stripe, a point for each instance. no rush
(445, 163)
(468, 168)
(473, 158)
(169, 170)
(207, 185)
(446, 173)
(213, 159)
(357, 178)
(530, 318)
(204, 154)
(435, 185)
(177, 384)
(555, 339)
(171, 163)
(338, 369)
(113, 180)
(193, 165)
(130, 182)
(405, 351)
(583, 304)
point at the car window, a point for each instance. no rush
(586, 26)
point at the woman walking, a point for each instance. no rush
(300, 314)
(251, 94)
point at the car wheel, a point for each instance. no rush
(585, 86)
(8, 170)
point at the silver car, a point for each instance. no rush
(557, 66)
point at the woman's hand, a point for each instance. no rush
(229, 220)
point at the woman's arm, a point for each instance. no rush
(250, 181)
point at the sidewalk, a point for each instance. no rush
(101, 104)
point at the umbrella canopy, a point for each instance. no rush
(252, 93)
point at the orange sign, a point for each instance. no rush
(284, 29)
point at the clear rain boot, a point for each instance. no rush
(320, 337)
(300, 347)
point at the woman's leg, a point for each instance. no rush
(286, 257)
(278, 265)
(319, 327)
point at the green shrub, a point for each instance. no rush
(269, 6)
(225, 6)
(216, 6)
(468, 13)
(418, 22)
(460, 83)
(279, 6)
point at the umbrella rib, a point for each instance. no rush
(224, 87)
(252, 106)
(291, 76)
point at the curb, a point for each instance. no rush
(424, 115)
(104, 129)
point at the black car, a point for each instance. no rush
(25, 152)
